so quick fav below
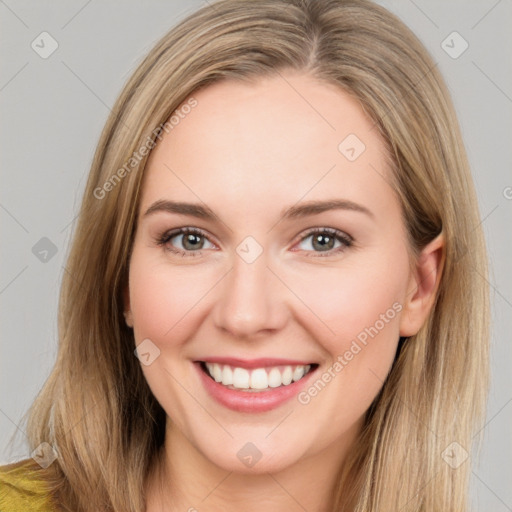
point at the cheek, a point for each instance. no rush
(356, 318)
(359, 331)
(163, 299)
(165, 302)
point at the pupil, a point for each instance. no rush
(325, 245)
(189, 239)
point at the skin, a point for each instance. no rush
(248, 151)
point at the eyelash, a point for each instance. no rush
(346, 240)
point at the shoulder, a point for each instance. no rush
(23, 488)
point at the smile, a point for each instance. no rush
(254, 386)
(257, 379)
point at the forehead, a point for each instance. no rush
(280, 138)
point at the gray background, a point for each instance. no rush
(53, 110)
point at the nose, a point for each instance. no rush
(251, 300)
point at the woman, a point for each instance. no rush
(271, 297)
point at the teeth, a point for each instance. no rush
(274, 378)
(298, 373)
(257, 379)
(287, 376)
(240, 378)
(227, 375)
(217, 373)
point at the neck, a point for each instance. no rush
(183, 479)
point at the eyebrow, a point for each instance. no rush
(293, 212)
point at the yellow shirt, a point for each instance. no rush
(22, 488)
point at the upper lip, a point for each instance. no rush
(254, 363)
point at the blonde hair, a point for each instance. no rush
(96, 408)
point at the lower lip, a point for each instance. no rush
(247, 401)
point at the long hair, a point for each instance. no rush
(96, 408)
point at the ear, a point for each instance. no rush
(126, 303)
(423, 286)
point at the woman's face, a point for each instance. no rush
(272, 281)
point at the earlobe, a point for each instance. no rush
(128, 317)
(423, 286)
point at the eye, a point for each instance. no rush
(318, 241)
(185, 241)
(328, 241)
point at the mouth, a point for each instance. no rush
(256, 385)
(255, 377)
